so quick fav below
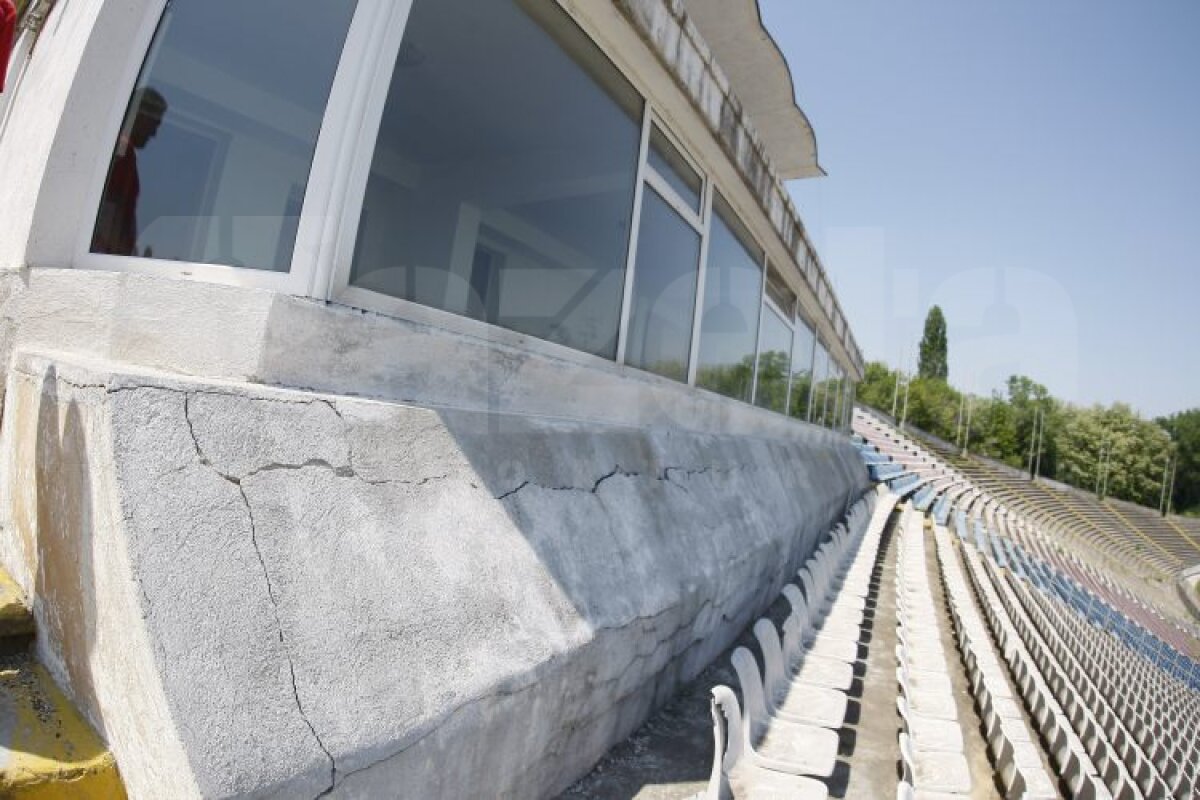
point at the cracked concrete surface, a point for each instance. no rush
(342, 596)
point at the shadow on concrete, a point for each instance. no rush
(64, 596)
(689, 535)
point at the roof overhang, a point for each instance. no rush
(761, 80)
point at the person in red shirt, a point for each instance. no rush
(116, 225)
(8, 32)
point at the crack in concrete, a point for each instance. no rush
(615, 472)
(270, 595)
(283, 640)
(345, 471)
(439, 724)
(663, 476)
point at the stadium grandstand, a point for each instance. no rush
(447, 399)
(1023, 638)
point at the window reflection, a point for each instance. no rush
(116, 226)
(820, 378)
(664, 290)
(774, 362)
(732, 303)
(802, 370)
(502, 182)
(674, 168)
(212, 160)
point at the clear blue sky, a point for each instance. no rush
(1033, 167)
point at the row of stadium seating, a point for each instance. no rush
(782, 738)
(1128, 538)
(1110, 685)
(1154, 607)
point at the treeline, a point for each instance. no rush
(1110, 450)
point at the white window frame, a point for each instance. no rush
(648, 176)
(335, 273)
(798, 322)
(818, 346)
(697, 324)
(343, 117)
(328, 226)
(769, 305)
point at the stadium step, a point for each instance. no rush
(47, 749)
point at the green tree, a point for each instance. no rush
(1184, 429)
(934, 364)
(877, 386)
(933, 406)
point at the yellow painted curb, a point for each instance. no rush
(47, 750)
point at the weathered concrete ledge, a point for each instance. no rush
(229, 333)
(253, 591)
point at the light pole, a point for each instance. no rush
(904, 416)
(1171, 491)
(1162, 497)
(967, 429)
(1033, 439)
(896, 394)
(962, 407)
(1037, 462)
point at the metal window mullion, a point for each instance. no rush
(762, 298)
(684, 153)
(812, 372)
(787, 403)
(672, 198)
(346, 145)
(634, 232)
(701, 281)
(825, 394)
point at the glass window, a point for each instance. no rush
(802, 369)
(780, 293)
(834, 398)
(848, 405)
(502, 182)
(664, 290)
(732, 302)
(774, 362)
(212, 161)
(674, 168)
(820, 378)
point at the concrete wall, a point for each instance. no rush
(228, 333)
(258, 591)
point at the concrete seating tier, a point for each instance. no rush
(781, 739)
(1136, 556)
(1061, 653)
(1130, 542)
(1014, 748)
(932, 746)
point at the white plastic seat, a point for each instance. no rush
(936, 772)
(775, 743)
(905, 791)
(927, 703)
(835, 640)
(820, 604)
(793, 700)
(931, 735)
(812, 669)
(734, 775)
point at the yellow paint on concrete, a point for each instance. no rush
(1182, 532)
(15, 619)
(48, 750)
(1171, 556)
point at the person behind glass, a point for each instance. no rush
(116, 227)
